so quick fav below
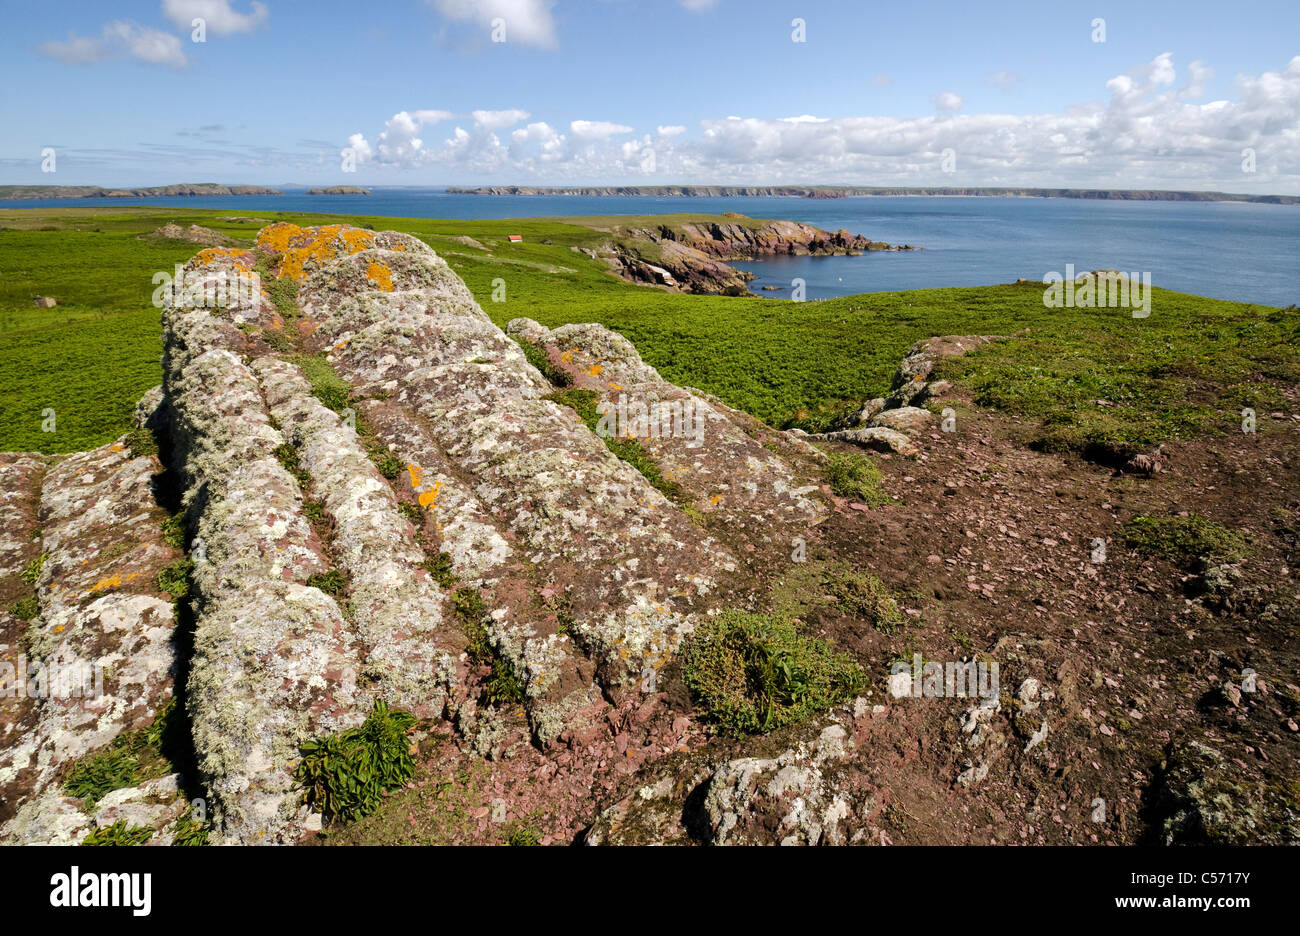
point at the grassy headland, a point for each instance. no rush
(1080, 376)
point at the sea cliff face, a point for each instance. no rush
(20, 192)
(691, 255)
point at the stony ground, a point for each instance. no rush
(364, 490)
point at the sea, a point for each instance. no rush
(1226, 250)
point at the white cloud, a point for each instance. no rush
(499, 119)
(596, 129)
(221, 20)
(1004, 79)
(698, 6)
(947, 101)
(117, 39)
(528, 22)
(1151, 132)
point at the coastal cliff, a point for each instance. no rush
(691, 254)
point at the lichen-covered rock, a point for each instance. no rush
(1206, 798)
(876, 438)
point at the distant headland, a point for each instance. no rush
(16, 192)
(844, 191)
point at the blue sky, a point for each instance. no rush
(654, 91)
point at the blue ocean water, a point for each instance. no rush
(1226, 250)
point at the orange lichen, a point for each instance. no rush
(380, 275)
(302, 249)
(595, 370)
(210, 255)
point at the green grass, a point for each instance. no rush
(175, 578)
(502, 685)
(1170, 375)
(863, 595)
(119, 834)
(853, 475)
(537, 357)
(1185, 540)
(754, 673)
(129, 760)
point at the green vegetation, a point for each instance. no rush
(1185, 540)
(1090, 379)
(175, 578)
(333, 583)
(389, 465)
(119, 833)
(287, 456)
(189, 831)
(856, 476)
(439, 568)
(25, 608)
(754, 672)
(129, 760)
(173, 531)
(524, 835)
(141, 442)
(863, 595)
(347, 774)
(332, 390)
(32, 571)
(583, 402)
(502, 685)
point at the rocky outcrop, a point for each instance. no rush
(326, 457)
(194, 234)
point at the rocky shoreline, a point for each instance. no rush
(691, 256)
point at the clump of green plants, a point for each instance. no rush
(863, 595)
(314, 510)
(117, 834)
(332, 390)
(25, 608)
(413, 513)
(1185, 540)
(173, 531)
(189, 831)
(439, 568)
(32, 571)
(129, 760)
(287, 456)
(524, 836)
(756, 672)
(283, 292)
(141, 442)
(175, 578)
(852, 475)
(389, 465)
(502, 685)
(347, 774)
(583, 402)
(537, 357)
(332, 583)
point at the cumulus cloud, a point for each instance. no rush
(528, 22)
(1152, 131)
(698, 6)
(220, 18)
(882, 80)
(596, 129)
(947, 101)
(120, 38)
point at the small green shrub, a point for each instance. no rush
(25, 608)
(173, 531)
(439, 569)
(862, 594)
(175, 578)
(287, 456)
(502, 685)
(852, 475)
(754, 672)
(332, 583)
(117, 834)
(346, 775)
(389, 466)
(188, 831)
(141, 442)
(524, 836)
(1185, 539)
(313, 510)
(32, 571)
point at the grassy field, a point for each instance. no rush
(1082, 376)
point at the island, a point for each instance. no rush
(339, 190)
